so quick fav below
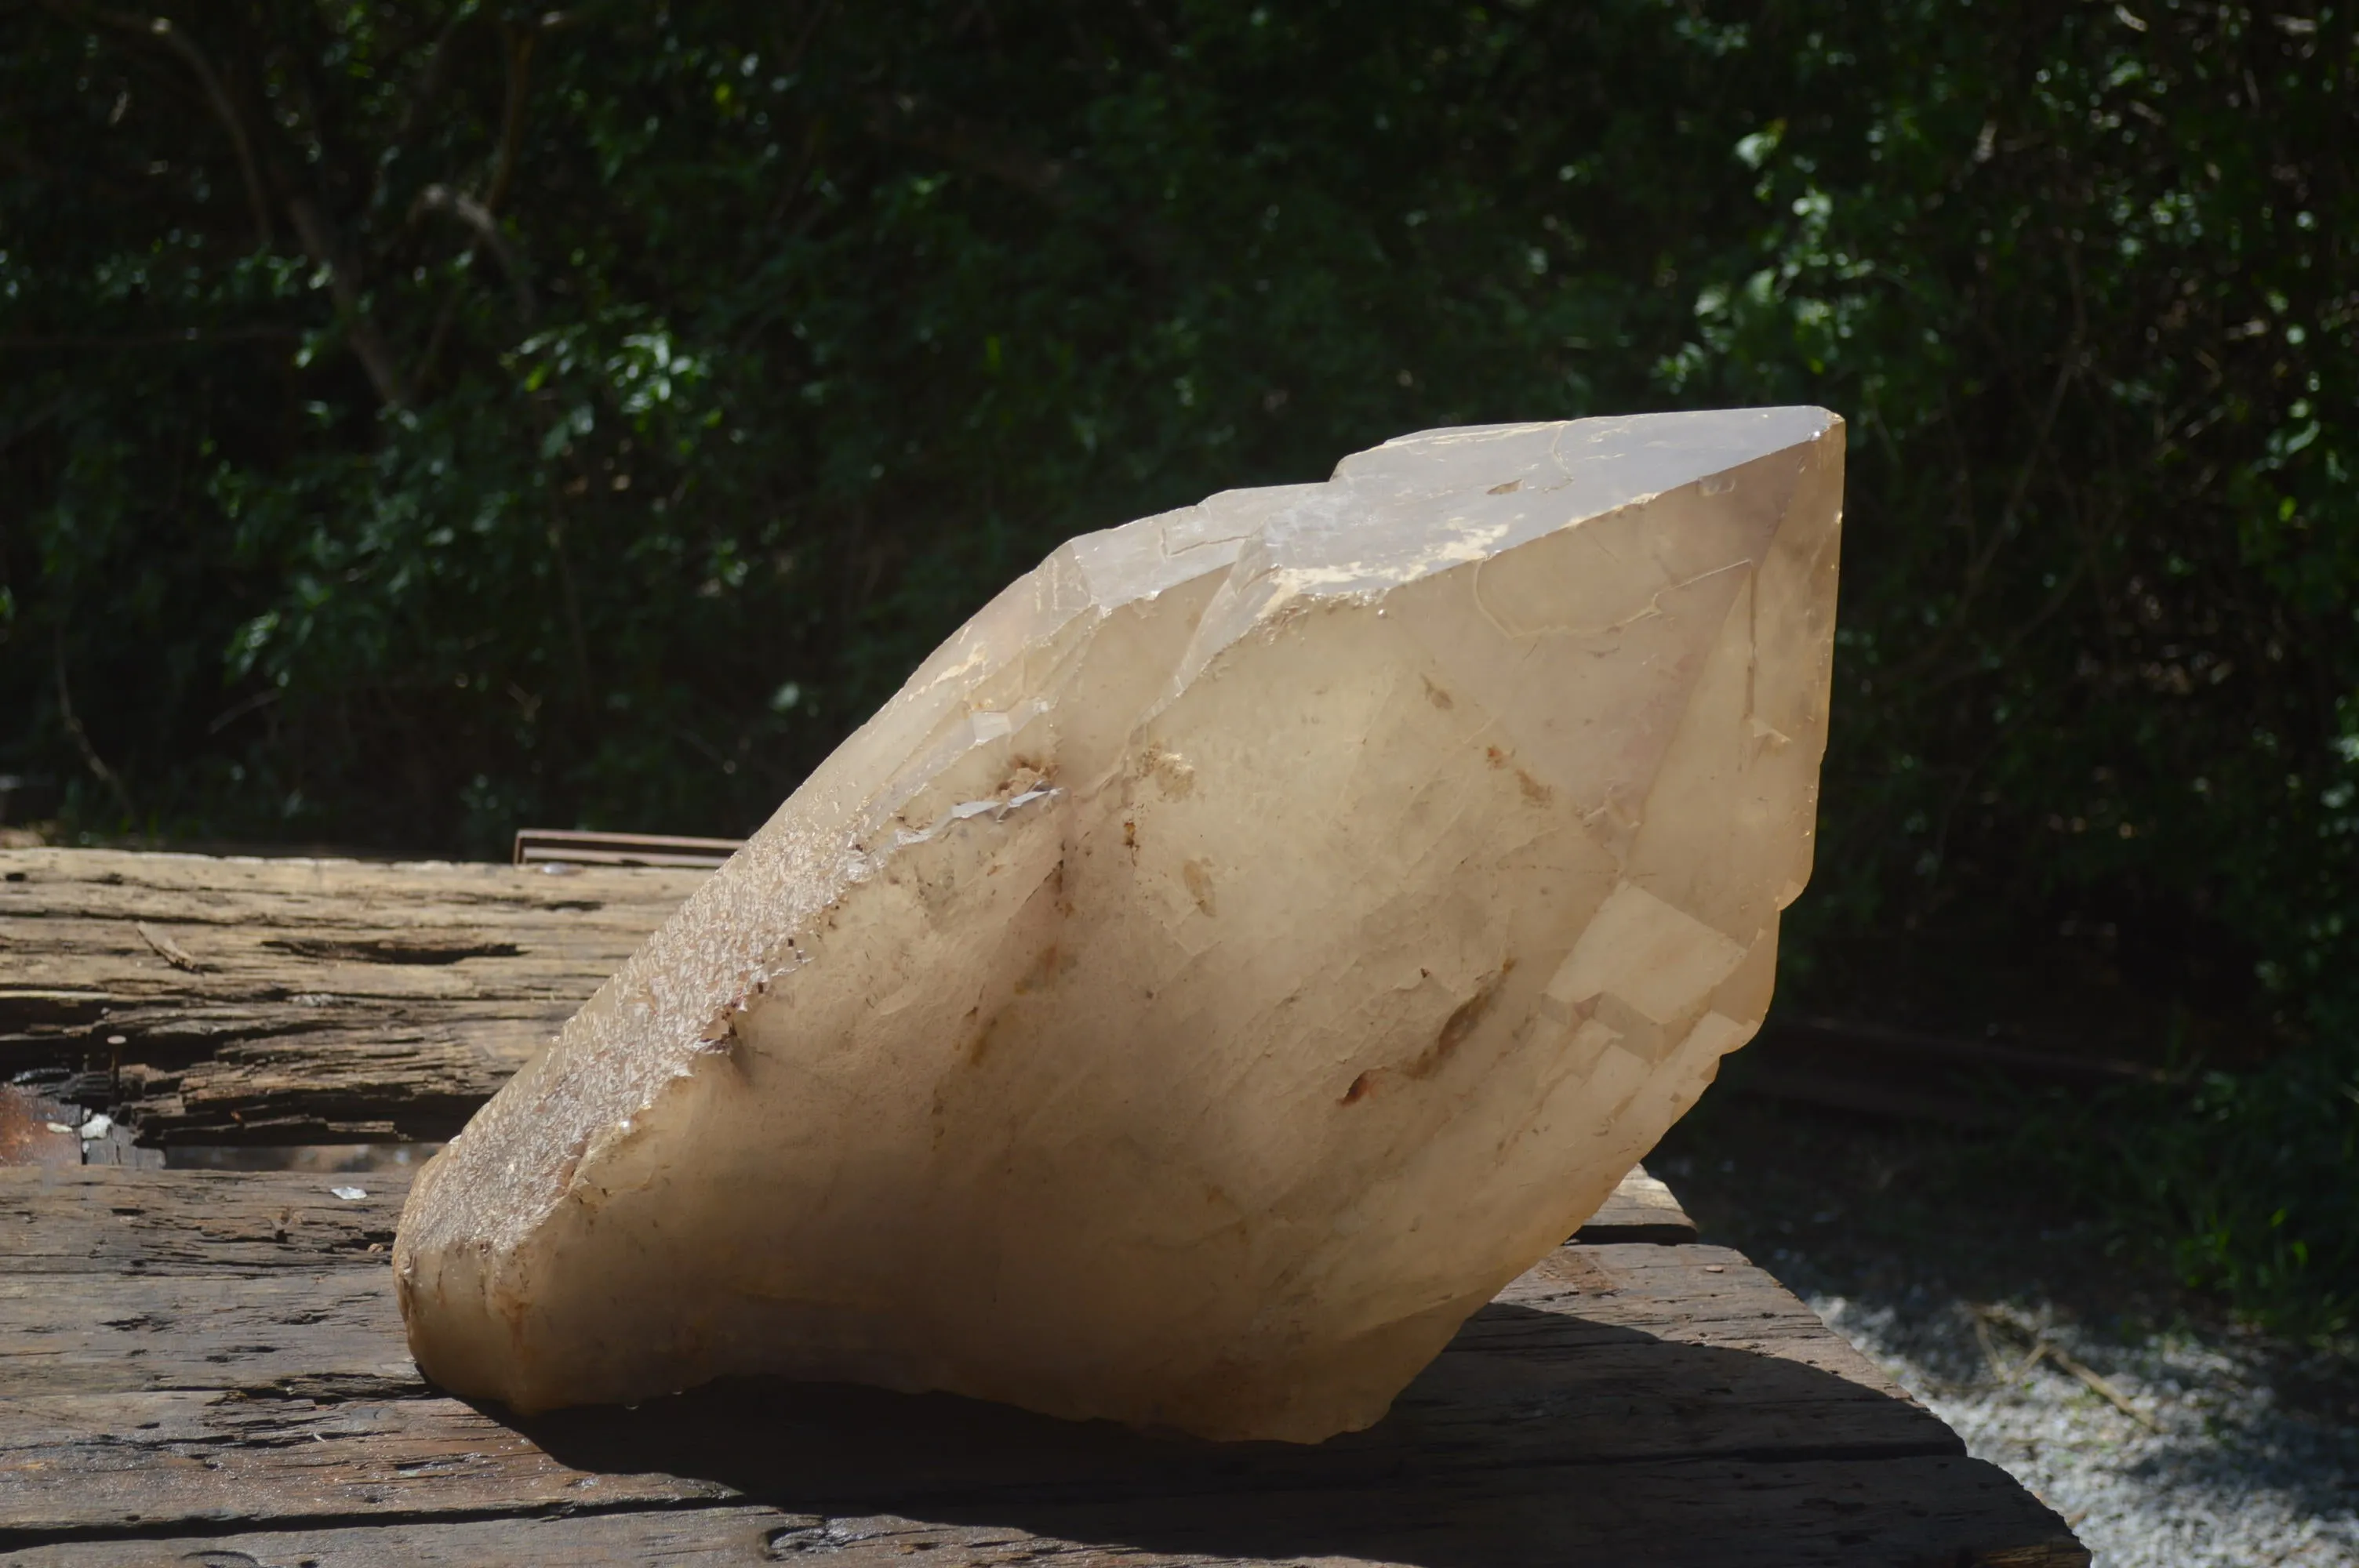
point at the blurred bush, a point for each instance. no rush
(420, 419)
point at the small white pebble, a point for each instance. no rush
(56, 1127)
(349, 1194)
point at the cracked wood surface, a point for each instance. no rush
(187, 1352)
(1726, 1514)
(1600, 1354)
(211, 1001)
(207, 1365)
(104, 1219)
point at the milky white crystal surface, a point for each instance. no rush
(1256, 936)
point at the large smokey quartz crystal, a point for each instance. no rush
(1256, 936)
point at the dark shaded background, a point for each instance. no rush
(418, 421)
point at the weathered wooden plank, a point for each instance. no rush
(1580, 1296)
(1611, 1355)
(339, 1328)
(1954, 1512)
(202, 1351)
(226, 1000)
(95, 1219)
(333, 1332)
(80, 1463)
(99, 1461)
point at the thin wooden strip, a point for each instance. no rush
(1712, 1515)
(559, 845)
(223, 999)
(342, 888)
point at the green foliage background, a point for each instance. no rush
(421, 420)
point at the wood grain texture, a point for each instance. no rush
(1591, 1360)
(155, 1403)
(1908, 1513)
(82, 1463)
(209, 999)
(1593, 1329)
(95, 1219)
(1640, 1209)
(207, 1367)
(335, 1332)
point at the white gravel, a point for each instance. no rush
(2223, 1477)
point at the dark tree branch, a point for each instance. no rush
(980, 150)
(96, 764)
(791, 55)
(422, 92)
(311, 227)
(1937, 648)
(582, 683)
(161, 30)
(520, 41)
(374, 354)
(972, 147)
(481, 216)
(200, 336)
(26, 164)
(429, 77)
(477, 216)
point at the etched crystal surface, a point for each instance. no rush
(1256, 936)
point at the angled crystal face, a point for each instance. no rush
(1258, 934)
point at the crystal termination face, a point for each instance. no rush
(1256, 936)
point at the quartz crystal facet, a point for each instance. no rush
(1257, 936)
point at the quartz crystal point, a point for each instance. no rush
(1256, 936)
